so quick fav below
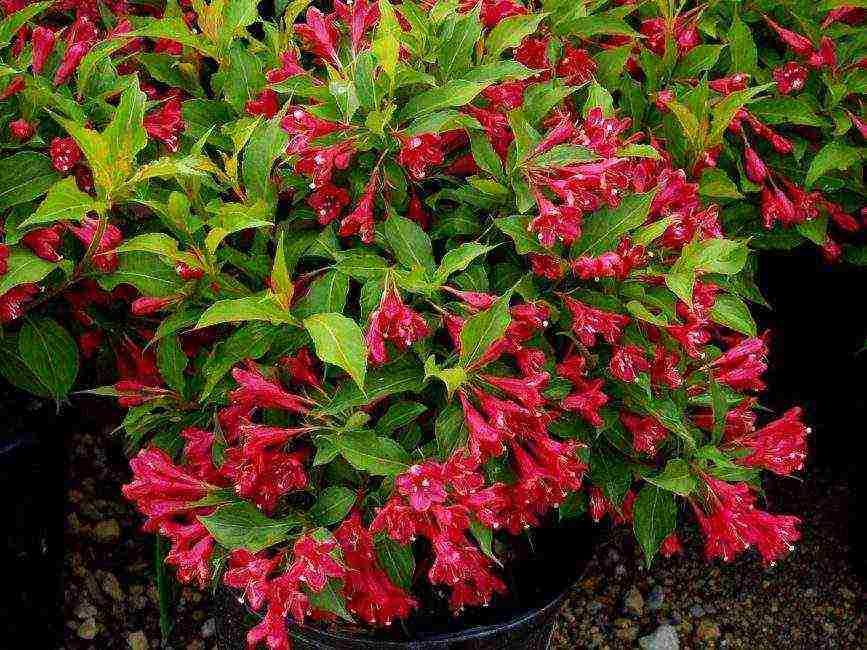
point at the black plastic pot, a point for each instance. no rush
(524, 621)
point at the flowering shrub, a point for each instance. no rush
(387, 284)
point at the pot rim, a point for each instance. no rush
(309, 633)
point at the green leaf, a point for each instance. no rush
(233, 217)
(509, 32)
(242, 525)
(261, 307)
(517, 227)
(248, 342)
(263, 148)
(339, 341)
(599, 97)
(610, 24)
(610, 473)
(409, 243)
(362, 265)
(640, 311)
(742, 47)
(24, 176)
(24, 267)
(482, 330)
(399, 415)
(725, 110)
(715, 183)
(146, 272)
(332, 505)
(459, 259)
(526, 137)
(786, 110)
(699, 59)
(125, 136)
(453, 93)
(373, 454)
(604, 228)
(396, 560)
(733, 312)
(676, 477)
(450, 430)
(50, 353)
(326, 294)
(565, 154)
(403, 375)
(485, 156)
(15, 371)
(64, 202)
(453, 378)
(457, 46)
(386, 44)
(709, 256)
(172, 362)
(499, 71)
(10, 25)
(654, 519)
(834, 155)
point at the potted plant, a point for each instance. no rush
(395, 290)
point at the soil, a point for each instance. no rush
(811, 599)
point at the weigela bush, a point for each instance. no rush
(386, 285)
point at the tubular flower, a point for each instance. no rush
(420, 152)
(320, 36)
(647, 433)
(588, 322)
(742, 365)
(104, 259)
(790, 77)
(44, 243)
(250, 573)
(328, 202)
(393, 322)
(370, 595)
(576, 67)
(587, 399)
(64, 154)
(191, 549)
(43, 44)
(731, 524)
(780, 447)
(254, 390)
(627, 362)
(21, 130)
(160, 488)
(267, 104)
(166, 124)
(13, 303)
(313, 563)
(360, 221)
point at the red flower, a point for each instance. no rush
(320, 163)
(13, 302)
(505, 96)
(21, 130)
(301, 368)
(69, 64)
(419, 152)
(799, 44)
(313, 564)
(149, 305)
(422, 485)
(671, 546)
(105, 259)
(254, 390)
(319, 35)
(647, 433)
(359, 16)
(44, 243)
(731, 524)
(533, 53)
(395, 322)
(664, 368)
(15, 86)
(250, 573)
(4, 259)
(289, 68)
(328, 202)
(627, 362)
(192, 546)
(368, 590)
(64, 154)
(742, 365)
(187, 272)
(757, 171)
(360, 221)
(587, 399)
(790, 77)
(415, 211)
(730, 84)
(160, 488)
(781, 446)
(43, 44)
(466, 570)
(546, 266)
(588, 321)
(166, 124)
(266, 104)
(776, 206)
(576, 67)
(825, 57)
(305, 127)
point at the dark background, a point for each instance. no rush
(818, 322)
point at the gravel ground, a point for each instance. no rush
(813, 599)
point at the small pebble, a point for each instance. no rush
(138, 641)
(634, 601)
(209, 628)
(107, 531)
(87, 630)
(664, 638)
